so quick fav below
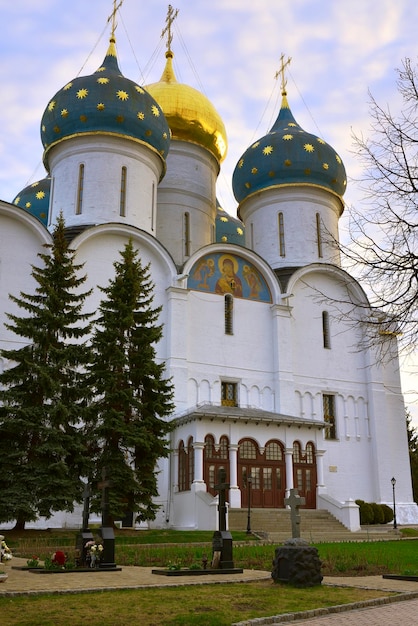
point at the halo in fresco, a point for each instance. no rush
(223, 273)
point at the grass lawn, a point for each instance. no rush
(209, 604)
(206, 605)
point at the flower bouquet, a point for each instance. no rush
(94, 552)
(5, 552)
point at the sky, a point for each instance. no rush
(228, 49)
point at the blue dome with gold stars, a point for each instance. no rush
(288, 155)
(107, 103)
(229, 229)
(35, 199)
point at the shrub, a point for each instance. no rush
(374, 513)
(378, 515)
(366, 512)
(387, 513)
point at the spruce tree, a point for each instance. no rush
(43, 394)
(133, 399)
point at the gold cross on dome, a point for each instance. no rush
(280, 72)
(112, 16)
(171, 16)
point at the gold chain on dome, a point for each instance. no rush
(171, 16)
(280, 72)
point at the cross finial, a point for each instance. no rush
(112, 16)
(171, 16)
(280, 72)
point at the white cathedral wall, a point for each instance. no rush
(299, 207)
(103, 159)
(21, 239)
(187, 187)
(244, 357)
(371, 441)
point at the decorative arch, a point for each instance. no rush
(185, 465)
(267, 472)
(223, 273)
(215, 458)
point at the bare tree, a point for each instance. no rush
(383, 247)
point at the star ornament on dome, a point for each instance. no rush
(155, 111)
(122, 95)
(64, 113)
(287, 137)
(140, 115)
(139, 89)
(82, 93)
(267, 150)
(40, 195)
(102, 80)
(51, 105)
(309, 147)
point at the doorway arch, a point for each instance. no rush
(267, 472)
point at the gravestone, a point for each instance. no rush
(85, 534)
(296, 562)
(222, 538)
(294, 502)
(106, 530)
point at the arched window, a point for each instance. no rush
(190, 450)
(122, 204)
(282, 248)
(186, 465)
(215, 459)
(296, 452)
(80, 190)
(319, 235)
(325, 329)
(186, 234)
(274, 451)
(182, 466)
(247, 449)
(328, 402)
(223, 447)
(229, 314)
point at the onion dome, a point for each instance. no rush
(189, 113)
(228, 229)
(35, 199)
(288, 155)
(107, 103)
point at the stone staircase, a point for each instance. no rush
(316, 526)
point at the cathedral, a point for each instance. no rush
(263, 335)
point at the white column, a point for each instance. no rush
(320, 478)
(198, 447)
(289, 470)
(175, 477)
(234, 490)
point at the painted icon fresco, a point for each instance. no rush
(228, 273)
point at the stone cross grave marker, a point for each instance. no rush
(222, 488)
(294, 501)
(86, 506)
(104, 486)
(106, 530)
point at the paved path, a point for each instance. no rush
(388, 611)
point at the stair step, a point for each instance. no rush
(315, 525)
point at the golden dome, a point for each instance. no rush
(190, 115)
